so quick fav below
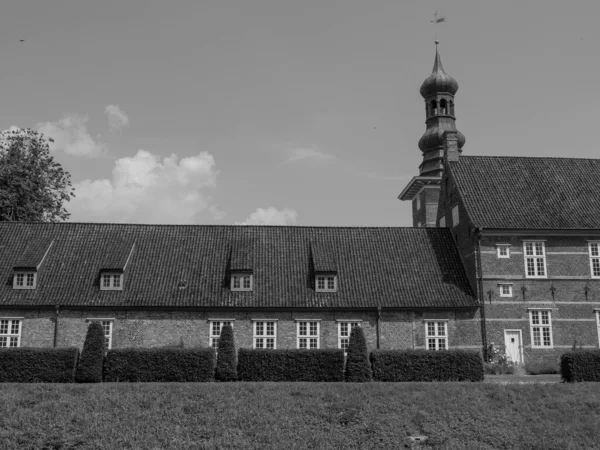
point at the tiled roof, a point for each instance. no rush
(323, 256)
(533, 193)
(34, 253)
(388, 267)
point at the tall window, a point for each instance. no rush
(595, 259)
(10, 333)
(215, 331)
(241, 282)
(455, 216)
(344, 329)
(326, 283)
(541, 329)
(24, 280)
(111, 281)
(107, 326)
(308, 334)
(535, 259)
(437, 335)
(265, 334)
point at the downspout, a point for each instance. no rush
(480, 295)
(378, 326)
(57, 312)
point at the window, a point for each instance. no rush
(541, 329)
(24, 280)
(598, 324)
(437, 335)
(265, 334)
(595, 259)
(308, 334)
(418, 202)
(215, 331)
(344, 329)
(535, 259)
(111, 282)
(505, 290)
(503, 251)
(10, 333)
(455, 218)
(107, 326)
(443, 222)
(326, 283)
(241, 282)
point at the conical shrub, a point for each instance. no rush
(226, 357)
(89, 369)
(358, 366)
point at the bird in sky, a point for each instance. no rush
(21, 40)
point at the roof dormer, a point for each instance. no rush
(25, 274)
(117, 254)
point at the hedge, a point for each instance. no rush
(38, 365)
(424, 365)
(358, 367)
(580, 365)
(291, 365)
(226, 357)
(89, 368)
(159, 364)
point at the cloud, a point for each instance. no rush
(117, 118)
(71, 136)
(147, 189)
(271, 216)
(307, 154)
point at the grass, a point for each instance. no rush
(298, 415)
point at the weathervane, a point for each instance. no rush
(437, 19)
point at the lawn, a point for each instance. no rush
(299, 415)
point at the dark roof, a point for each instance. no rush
(323, 256)
(33, 253)
(116, 253)
(533, 193)
(388, 267)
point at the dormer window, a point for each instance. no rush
(326, 283)
(24, 280)
(111, 281)
(241, 281)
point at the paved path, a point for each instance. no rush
(522, 379)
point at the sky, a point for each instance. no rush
(284, 111)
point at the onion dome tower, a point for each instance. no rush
(438, 91)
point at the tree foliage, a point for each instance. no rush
(91, 361)
(358, 366)
(226, 357)
(33, 187)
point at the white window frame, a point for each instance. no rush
(594, 249)
(503, 247)
(346, 326)
(115, 281)
(326, 278)
(455, 215)
(536, 315)
(437, 338)
(25, 279)
(10, 337)
(308, 338)
(535, 257)
(504, 285)
(597, 312)
(213, 338)
(443, 222)
(243, 277)
(263, 337)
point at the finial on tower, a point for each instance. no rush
(435, 21)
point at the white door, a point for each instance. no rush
(512, 342)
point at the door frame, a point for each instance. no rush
(522, 358)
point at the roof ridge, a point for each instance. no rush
(525, 157)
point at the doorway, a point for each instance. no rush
(513, 345)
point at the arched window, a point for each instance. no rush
(443, 106)
(433, 108)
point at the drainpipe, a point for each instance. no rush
(57, 312)
(480, 295)
(378, 326)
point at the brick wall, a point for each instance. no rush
(427, 213)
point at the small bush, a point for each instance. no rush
(358, 367)
(89, 368)
(542, 367)
(580, 365)
(291, 365)
(226, 358)
(498, 369)
(38, 365)
(423, 365)
(159, 364)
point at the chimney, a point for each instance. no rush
(451, 150)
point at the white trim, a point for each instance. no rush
(218, 319)
(325, 277)
(500, 247)
(241, 274)
(264, 337)
(566, 253)
(597, 313)
(573, 320)
(349, 320)
(45, 254)
(436, 337)
(303, 319)
(111, 280)
(213, 338)
(308, 336)
(594, 258)
(25, 275)
(535, 258)
(541, 328)
(510, 289)
(129, 256)
(264, 320)
(9, 335)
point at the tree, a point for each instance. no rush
(89, 369)
(226, 360)
(33, 187)
(358, 366)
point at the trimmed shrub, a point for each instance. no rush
(291, 365)
(358, 367)
(159, 364)
(38, 365)
(580, 365)
(424, 365)
(89, 368)
(226, 358)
